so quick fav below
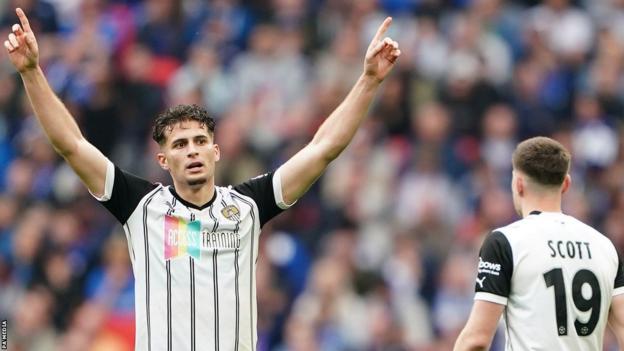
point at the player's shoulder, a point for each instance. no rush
(514, 228)
(577, 222)
(591, 232)
(524, 228)
(536, 223)
(255, 188)
(237, 189)
(240, 192)
(227, 190)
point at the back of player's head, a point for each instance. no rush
(176, 114)
(544, 160)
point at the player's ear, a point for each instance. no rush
(520, 184)
(162, 161)
(217, 152)
(567, 181)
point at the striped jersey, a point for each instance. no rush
(194, 267)
(556, 277)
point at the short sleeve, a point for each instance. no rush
(123, 192)
(266, 191)
(494, 270)
(618, 287)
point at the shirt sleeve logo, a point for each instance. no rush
(488, 267)
(480, 281)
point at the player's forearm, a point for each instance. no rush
(58, 124)
(467, 347)
(616, 324)
(339, 128)
(471, 342)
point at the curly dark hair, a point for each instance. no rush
(543, 159)
(173, 115)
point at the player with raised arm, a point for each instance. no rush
(556, 280)
(194, 245)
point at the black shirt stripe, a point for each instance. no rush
(169, 336)
(215, 279)
(192, 270)
(147, 272)
(251, 265)
(216, 221)
(236, 272)
(216, 296)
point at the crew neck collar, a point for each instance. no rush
(192, 205)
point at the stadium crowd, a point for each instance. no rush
(381, 254)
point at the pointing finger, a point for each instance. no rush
(23, 20)
(382, 29)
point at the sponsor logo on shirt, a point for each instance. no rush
(188, 238)
(488, 267)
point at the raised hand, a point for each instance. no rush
(22, 45)
(381, 54)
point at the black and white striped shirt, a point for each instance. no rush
(194, 267)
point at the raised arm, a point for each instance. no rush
(60, 127)
(333, 136)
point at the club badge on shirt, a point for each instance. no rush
(230, 212)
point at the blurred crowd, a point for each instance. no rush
(381, 253)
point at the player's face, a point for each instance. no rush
(189, 154)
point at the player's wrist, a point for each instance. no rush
(30, 72)
(370, 80)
